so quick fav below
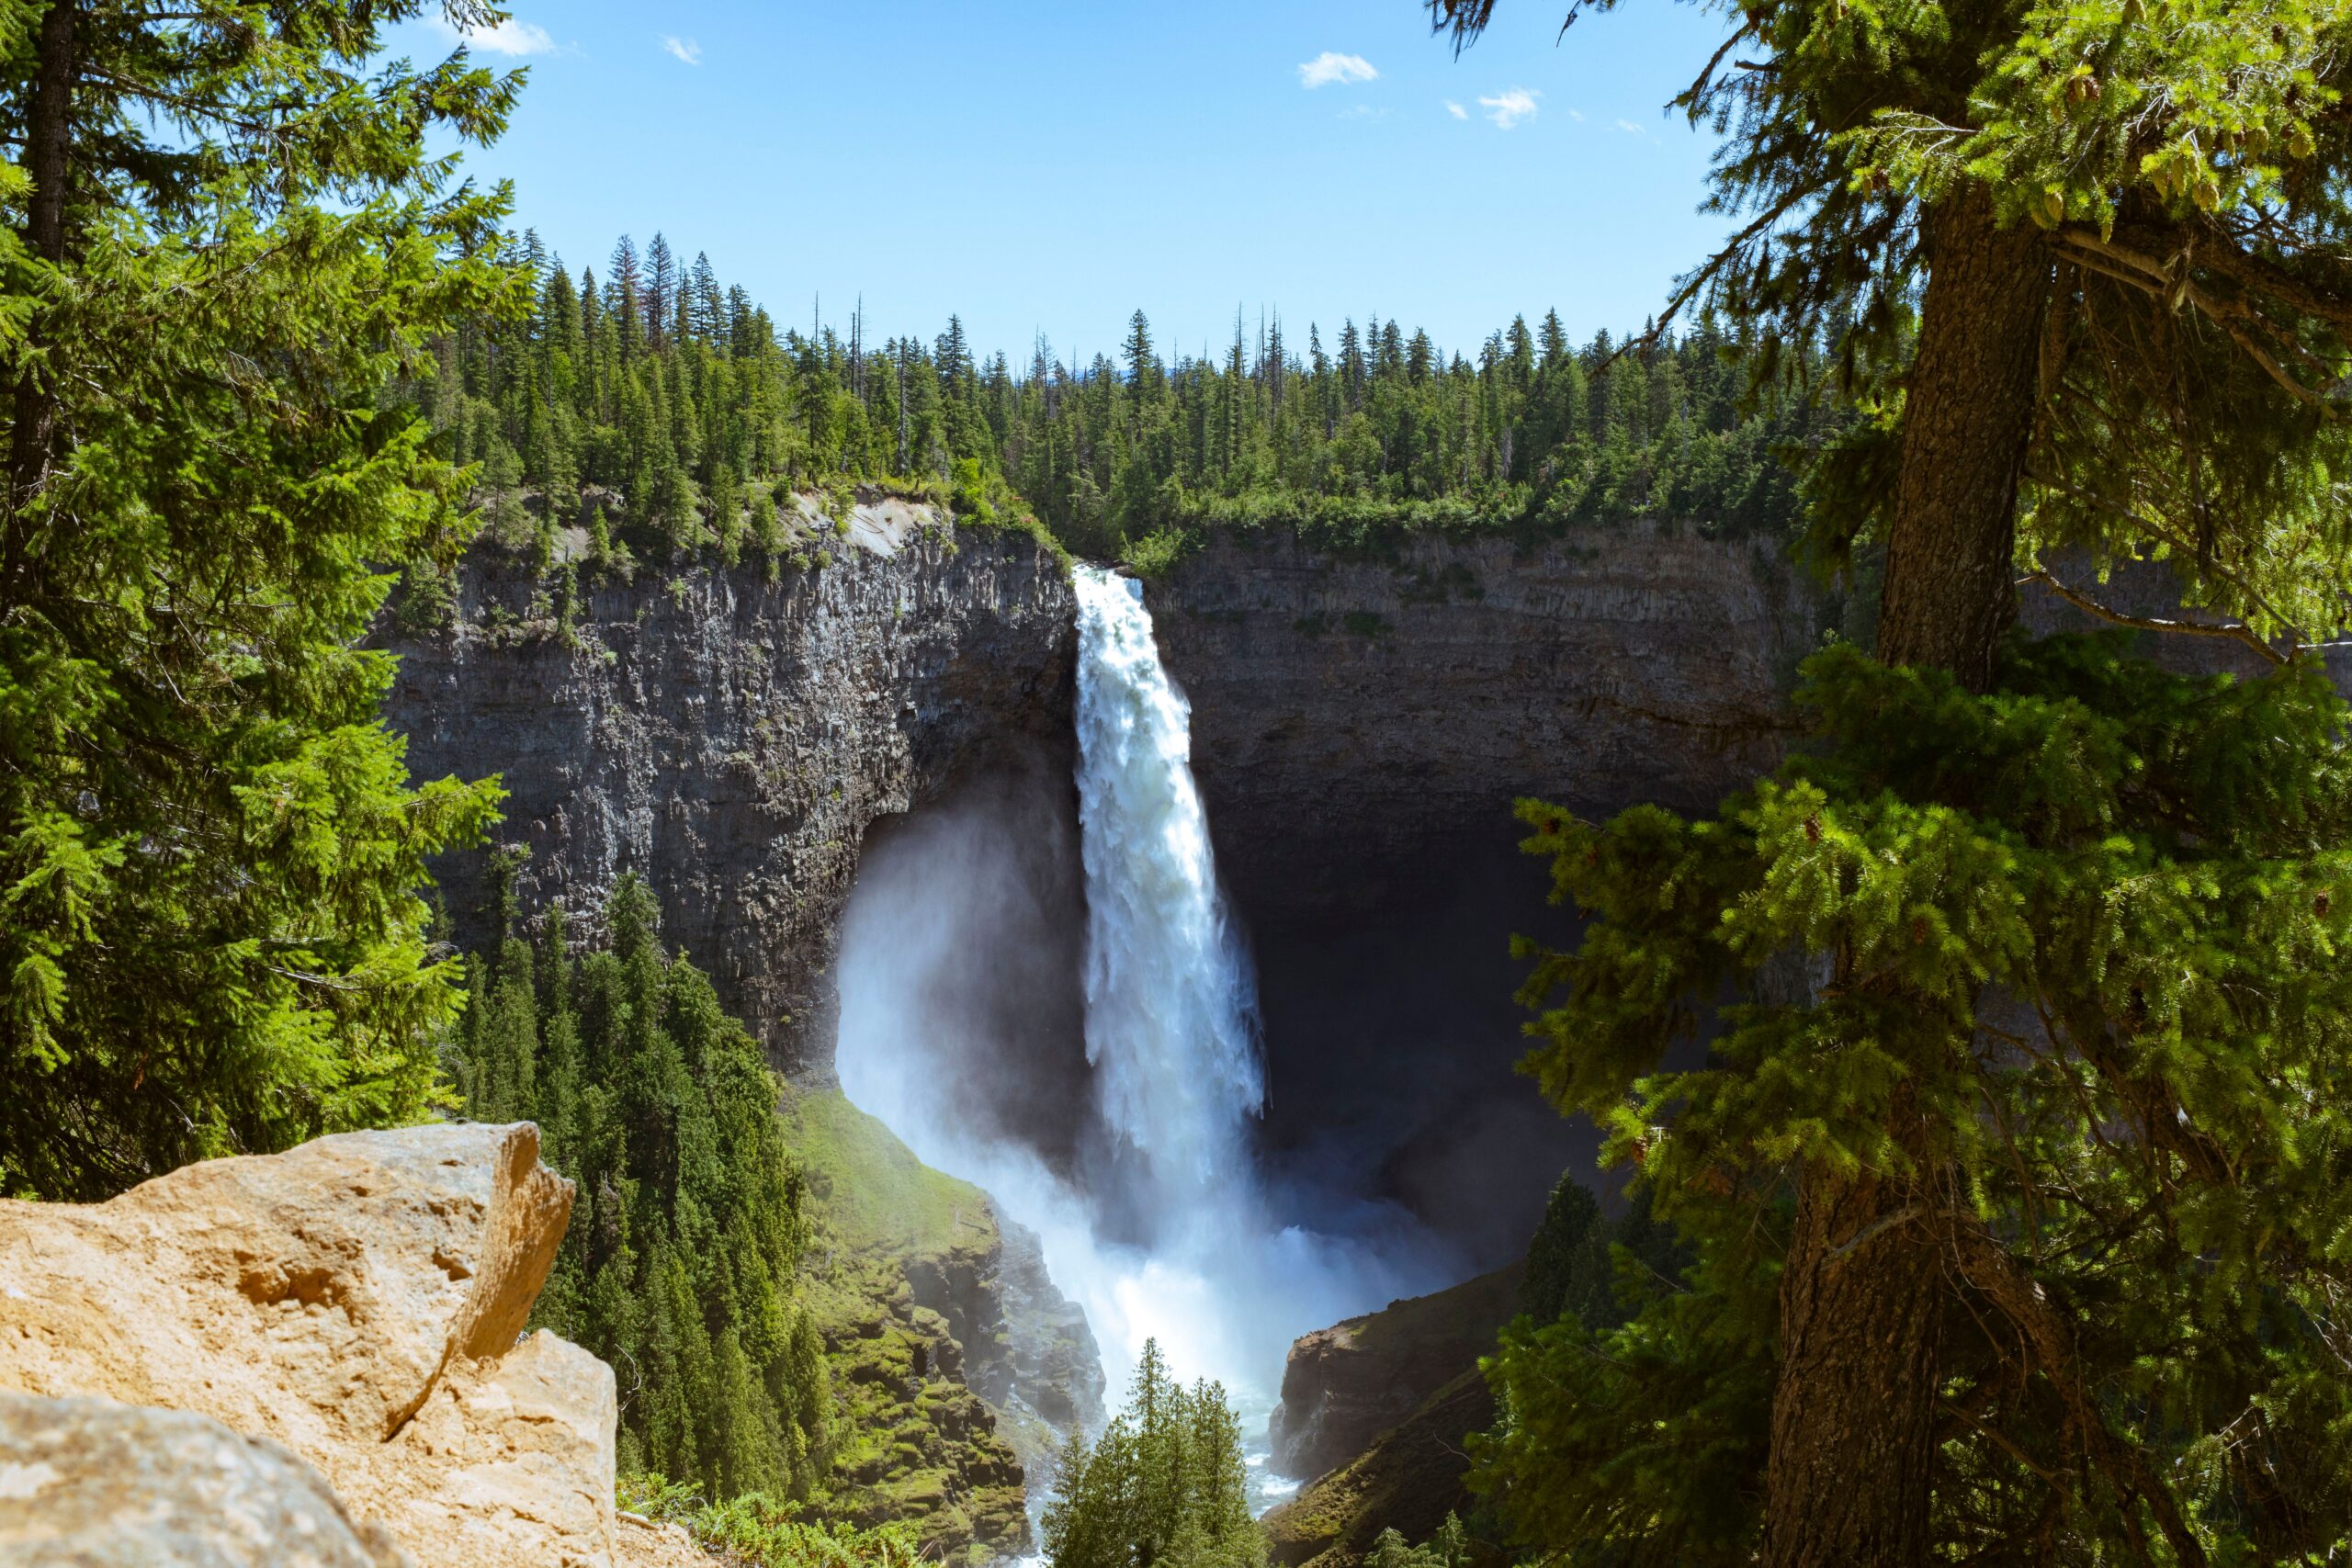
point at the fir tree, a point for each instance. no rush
(1163, 1484)
(210, 938)
(2082, 266)
(678, 1265)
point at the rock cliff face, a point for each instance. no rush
(356, 1304)
(1344, 1385)
(1356, 718)
(731, 740)
(1361, 727)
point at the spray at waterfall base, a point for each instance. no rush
(1043, 992)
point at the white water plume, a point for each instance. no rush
(1134, 1164)
(1170, 1010)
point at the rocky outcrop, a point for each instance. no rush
(947, 1343)
(90, 1484)
(1356, 715)
(359, 1304)
(1344, 1385)
(1411, 1478)
(1376, 1413)
(1050, 1359)
(730, 738)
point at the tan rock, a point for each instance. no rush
(357, 1300)
(90, 1484)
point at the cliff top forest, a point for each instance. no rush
(1972, 1085)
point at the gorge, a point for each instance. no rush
(859, 795)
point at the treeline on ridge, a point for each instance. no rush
(665, 412)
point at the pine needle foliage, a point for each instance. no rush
(1162, 1487)
(2180, 162)
(2079, 942)
(693, 435)
(226, 240)
(687, 1228)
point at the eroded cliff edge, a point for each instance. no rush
(729, 739)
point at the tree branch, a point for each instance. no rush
(2081, 601)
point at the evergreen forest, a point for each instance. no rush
(662, 411)
(1971, 1074)
(685, 1234)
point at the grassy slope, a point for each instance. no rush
(912, 1442)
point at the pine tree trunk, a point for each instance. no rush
(1967, 417)
(1853, 1415)
(1853, 1418)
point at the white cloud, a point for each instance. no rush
(1328, 68)
(1509, 107)
(1630, 129)
(1456, 110)
(683, 49)
(1363, 111)
(509, 36)
(1576, 115)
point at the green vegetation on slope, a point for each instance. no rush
(679, 1263)
(916, 1442)
(875, 1195)
(224, 240)
(1163, 1484)
(758, 1532)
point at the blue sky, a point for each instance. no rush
(1051, 166)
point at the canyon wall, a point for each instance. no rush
(1356, 718)
(729, 739)
(1362, 724)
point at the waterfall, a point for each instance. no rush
(1170, 1004)
(1151, 1211)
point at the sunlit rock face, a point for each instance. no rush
(356, 1306)
(730, 739)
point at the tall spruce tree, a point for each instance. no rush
(1163, 1483)
(678, 1265)
(2080, 268)
(226, 240)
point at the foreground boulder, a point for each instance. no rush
(90, 1484)
(358, 1302)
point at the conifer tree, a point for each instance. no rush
(2081, 264)
(227, 240)
(1164, 1484)
(678, 1265)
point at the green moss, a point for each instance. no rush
(913, 1443)
(875, 1195)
